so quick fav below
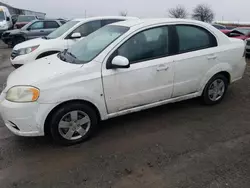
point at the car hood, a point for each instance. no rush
(39, 71)
(2, 23)
(15, 31)
(33, 42)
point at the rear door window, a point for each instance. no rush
(51, 24)
(193, 38)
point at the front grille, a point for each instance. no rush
(14, 54)
(248, 42)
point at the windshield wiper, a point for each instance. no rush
(72, 55)
(61, 56)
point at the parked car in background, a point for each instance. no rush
(22, 20)
(34, 29)
(218, 26)
(60, 39)
(239, 32)
(121, 68)
(248, 48)
(5, 20)
(230, 27)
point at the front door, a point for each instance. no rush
(36, 30)
(150, 76)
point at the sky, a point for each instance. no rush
(227, 10)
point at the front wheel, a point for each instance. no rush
(73, 123)
(215, 90)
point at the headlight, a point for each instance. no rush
(22, 94)
(28, 50)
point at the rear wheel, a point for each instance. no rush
(73, 123)
(215, 89)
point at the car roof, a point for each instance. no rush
(147, 22)
(102, 17)
(242, 28)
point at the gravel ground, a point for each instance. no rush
(179, 145)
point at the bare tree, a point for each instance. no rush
(123, 13)
(178, 12)
(203, 12)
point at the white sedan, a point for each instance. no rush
(121, 68)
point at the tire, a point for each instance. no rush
(210, 92)
(17, 40)
(63, 123)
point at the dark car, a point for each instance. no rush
(22, 20)
(218, 26)
(34, 29)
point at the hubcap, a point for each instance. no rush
(74, 125)
(216, 90)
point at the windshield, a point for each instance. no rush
(25, 18)
(245, 31)
(88, 48)
(61, 30)
(2, 17)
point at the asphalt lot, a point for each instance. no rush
(180, 145)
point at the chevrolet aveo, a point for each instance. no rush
(121, 68)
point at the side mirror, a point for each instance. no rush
(76, 36)
(120, 62)
(28, 29)
(8, 18)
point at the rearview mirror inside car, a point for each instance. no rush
(76, 36)
(120, 62)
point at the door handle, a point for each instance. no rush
(42, 31)
(162, 68)
(211, 57)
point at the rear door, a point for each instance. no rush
(36, 30)
(50, 26)
(195, 55)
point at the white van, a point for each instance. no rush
(5, 19)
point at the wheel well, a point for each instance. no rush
(227, 75)
(47, 121)
(44, 54)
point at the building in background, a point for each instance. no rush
(18, 11)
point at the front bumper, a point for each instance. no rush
(6, 38)
(24, 119)
(1, 32)
(20, 60)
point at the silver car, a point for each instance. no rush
(34, 29)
